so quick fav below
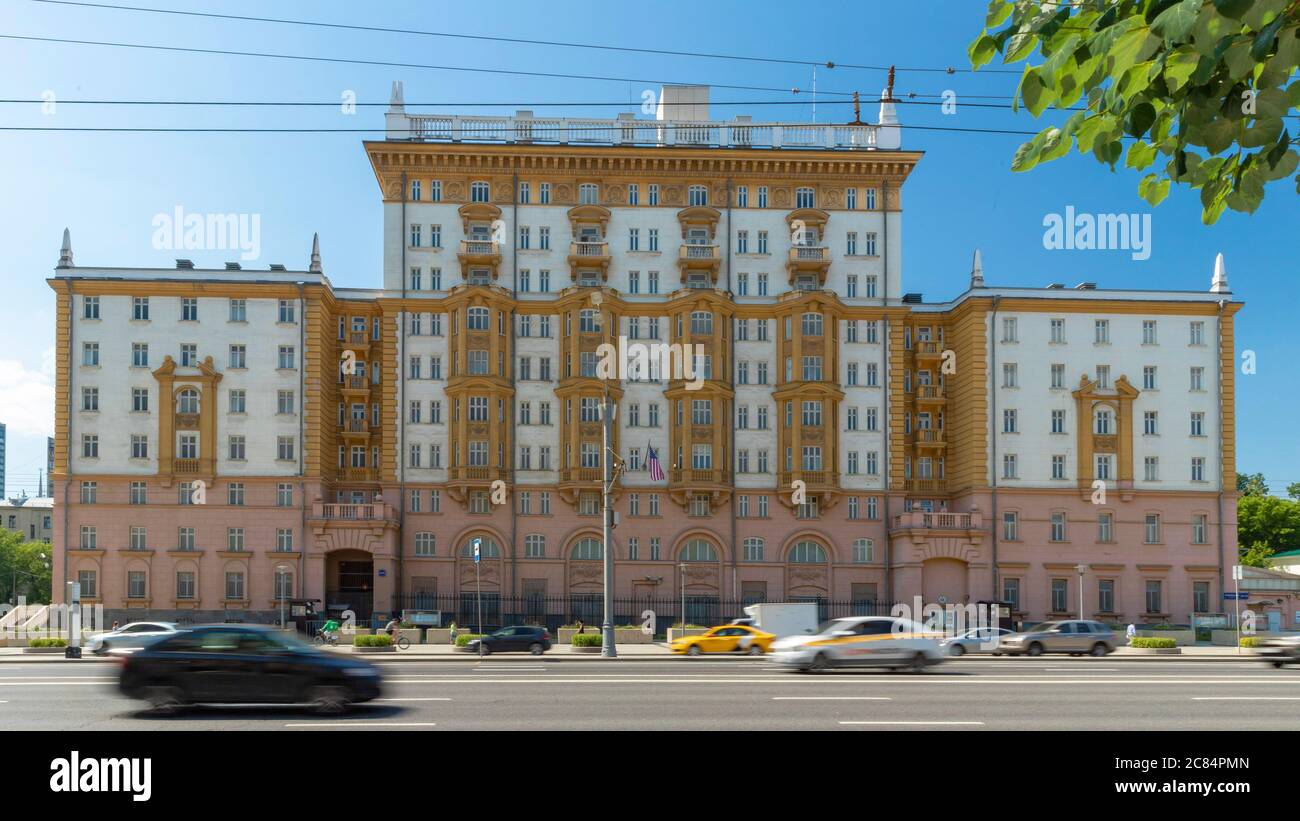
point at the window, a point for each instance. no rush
(1010, 330)
(1058, 331)
(1058, 421)
(1105, 527)
(1058, 527)
(864, 551)
(697, 550)
(697, 195)
(1197, 423)
(1200, 528)
(185, 584)
(807, 552)
(1060, 595)
(189, 309)
(804, 198)
(588, 194)
(753, 549)
(284, 448)
(135, 584)
(1198, 378)
(1149, 378)
(90, 354)
(284, 495)
(90, 307)
(1101, 332)
(139, 355)
(286, 358)
(1151, 468)
(234, 585)
(235, 539)
(479, 192)
(1150, 423)
(1152, 534)
(237, 402)
(1197, 331)
(235, 494)
(1149, 332)
(238, 356)
(534, 546)
(1153, 596)
(1198, 468)
(1010, 378)
(1010, 526)
(139, 493)
(90, 399)
(1201, 597)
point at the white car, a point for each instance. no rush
(979, 640)
(862, 641)
(130, 636)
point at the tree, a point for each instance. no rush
(1256, 556)
(33, 572)
(1252, 484)
(1194, 83)
(1293, 490)
(1267, 523)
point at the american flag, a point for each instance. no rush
(652, 462)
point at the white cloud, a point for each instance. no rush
(27, 396)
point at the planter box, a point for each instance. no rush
(389, 649)
(1228, 638)
(1183, 638)
(675, 633)
(566, 635)
(589, 650)
(44, 651)
(1152, 651)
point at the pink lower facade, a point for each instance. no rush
(371, 558)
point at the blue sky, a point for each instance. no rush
(108, 187)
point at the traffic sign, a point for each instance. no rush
(1236, 596)
(476, 544)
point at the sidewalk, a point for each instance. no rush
(659, 650)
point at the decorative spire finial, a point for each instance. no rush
(1220, 282)
(977, 271)
(315, 254)
(65, 253)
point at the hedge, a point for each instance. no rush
(463, 639)
(382, 640)
(1251, 641)
(587, 639)
(47, 643)
(1153, 643)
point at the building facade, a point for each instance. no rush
(229, 437)
(32, 518)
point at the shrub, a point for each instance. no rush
(1166, 627)
(463, 639)
(382, 640)
(1153, 643)
(47, 642)
(678, 626)
(1251, 641)
(587, 639)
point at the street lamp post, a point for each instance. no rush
(681, 567)
(282, 569)
(608, 411)
(1082, 568)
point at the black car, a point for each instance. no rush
(244, 664)
(535, 640)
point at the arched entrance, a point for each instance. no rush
(350, 583)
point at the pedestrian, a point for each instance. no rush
(1131, 632)
(582, 628)
(115, 624)
(391, 628)
(453, 634)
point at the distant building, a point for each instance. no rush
(49, 465)
(32, 517)
(2, 460)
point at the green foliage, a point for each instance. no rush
(1252, 484)
(34, 574)
(1251, 641)
(1196, 84)
(1152, 643)
(463, 639)
(1267, 524)
(586, 639)
(47, 642)
(1293, 490)
(381, 640)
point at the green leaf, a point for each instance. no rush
(1153, 189)
(1036, 95)
(1176, 22)
(1238, 59)
(1026, 155)
(999, 11)
(981, 51)
(1019, 46)
(1130, 48)
(1263, 132)
(1264, 40)
(1233, 8)
(1108, 152)
(1139, 119)
(1056, 144)
(1179, 66)
(1140, 155)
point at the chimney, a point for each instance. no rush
(184, 265)
(683, 103)
(234, 266)
(977, 271)
(65, 253)
(315, 254)
(888, 134)
(1220, 283)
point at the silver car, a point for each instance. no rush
(1075, 637)
(130, 636)
(980, 640)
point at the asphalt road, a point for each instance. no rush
(713, 694)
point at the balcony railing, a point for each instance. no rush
(451, 128)
(812, 478)
(359, 474)
(185, 466)
(359, 338)
(582, 475)
(928, 485)
(352, 512)
(476, 473)
(929, 392)
(939, 521)
(589, 249)
(928, 349)
(704, 252)
(708, 476)
(930, 436)
(810, 253)
(356, 383)
(357, 426)
(478, 247)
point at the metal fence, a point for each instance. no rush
(553, 612)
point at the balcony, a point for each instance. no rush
(928, 350)
(929, 437)
(358, 341)
(582, 475)
(352, 512)
(811, 478)
(478, 254)
(185, 467)
(476, 473)
(696, 259)
(805, 260)
(356, 385)
(920, 519)
(930, 395)
(586, 256)
(356, 429)
(350, 474)
(698, 476)
(583, 131)
(927, 485)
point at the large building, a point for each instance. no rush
(30, 517)
(226, 437)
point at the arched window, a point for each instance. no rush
(697, 550)
(587, 549)
(188, 401)
(807, 553)
(487, 549)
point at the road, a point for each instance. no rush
(714, 694)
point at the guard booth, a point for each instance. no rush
(1004, 619)
(302, 611)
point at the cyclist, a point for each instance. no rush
(329, 630)
(391, 628)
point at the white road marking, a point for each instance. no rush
(54, 683)
(882, 679)
(365, 724)
(1245, 698)
(1072, 670)
(917, 723)
(831, 698)
(412, 699)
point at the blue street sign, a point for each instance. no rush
(383, 572)
(476, 544)
(1236, 596)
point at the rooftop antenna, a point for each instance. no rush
(857, 110)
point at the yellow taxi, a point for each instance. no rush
(730, 638)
